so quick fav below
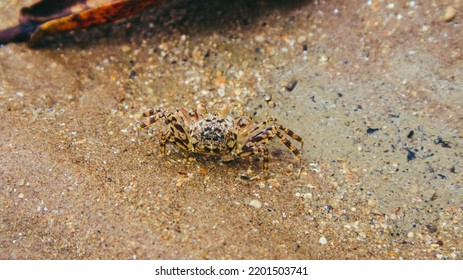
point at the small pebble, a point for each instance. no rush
(323, 240)
(323, 59)
(291, 85)
(21, 182)
(450, 13)
(259, 38)
(125, 48)
(255, 203)
(428, 194)
(431, 228)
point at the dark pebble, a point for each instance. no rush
(358, 107)
(244, 177)
(372, 130)
(411, 155)
(442, 142)
(410, 134)
(431, 228)
(291, 85)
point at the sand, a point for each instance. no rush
(374, 88)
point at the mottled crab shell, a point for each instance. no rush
(49, 17)
(213, 135)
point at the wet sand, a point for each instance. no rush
(374, 88)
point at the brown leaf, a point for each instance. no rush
(49, 17)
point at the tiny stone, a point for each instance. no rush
(255, 203)
(308, 195)
(410, 234)
(431, 228)
(450, 13)
(323, 240)
(291, 85)
(125, 48)
(290, 167)
(259, 38)
(323, 59)
(428, 194)
(21, 182)
(301, 39)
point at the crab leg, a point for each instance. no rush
(154, 116)
(257, 150)
(257, 127)
(257, 141)
(164, 137)
(288, 144)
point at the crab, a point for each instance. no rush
(201, 132)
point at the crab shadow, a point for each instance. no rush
(242, 168)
